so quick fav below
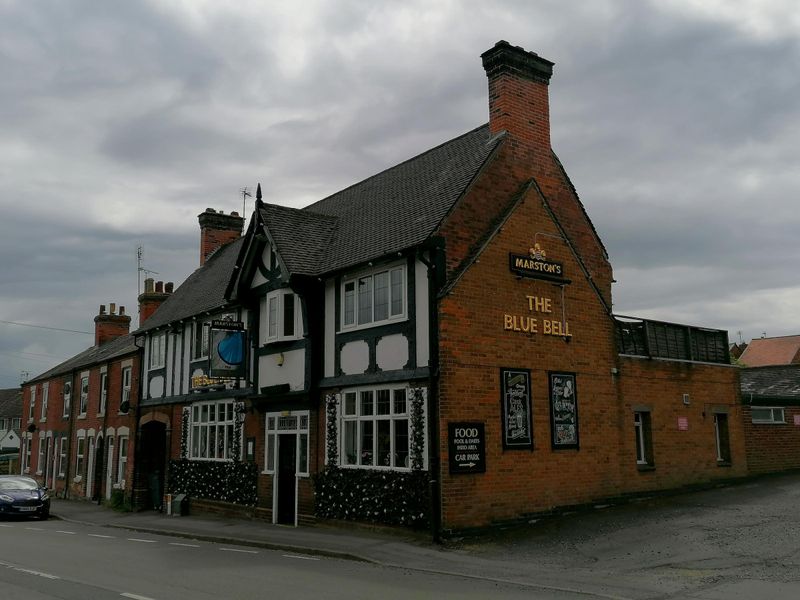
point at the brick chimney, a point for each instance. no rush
(519, 101)
(109, 326)
(216, 230)
(152, 297)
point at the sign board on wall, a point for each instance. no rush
(228, 349)
(466, 444)
(515, 398)
(563, 410)
(797, 420)
(683, 423)
(535, 265)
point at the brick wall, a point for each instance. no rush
(772, 447)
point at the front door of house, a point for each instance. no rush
(287, 478)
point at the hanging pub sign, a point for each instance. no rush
(466, 447)
(563, 410)
(515, 397)
(535, 265)
(227, 349)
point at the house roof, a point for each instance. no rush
(396, 209)
(772, 351)
(774, 382)
(11, 402)
(203, 290)
(92, 356)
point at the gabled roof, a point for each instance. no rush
(771, 383)
(772, 351)
(92, 356)
(203, 290)
(11, 403)
(302, 238)
(394, 210)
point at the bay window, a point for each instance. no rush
(283, 317)
(374, 297)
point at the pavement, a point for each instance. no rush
(727, 542)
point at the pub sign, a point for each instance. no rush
(228, 349)
(466, 445)
(515, 397)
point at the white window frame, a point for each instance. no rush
(40, 456)
(123, 447)
(158, 350)
(80, 456)
(392, 417)
(16, 423)
(296, 422)
(642, 421)
(278, 299)
(84, 397)
(45, 400)
(203, 330)
(354, 280)
(718, 440)
(67, 396)
(27, 439)
(103, 394)
(201, 425)
(777, 415)
(125, 387)
(62, 457)
(32, 405)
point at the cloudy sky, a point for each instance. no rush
(677, 120)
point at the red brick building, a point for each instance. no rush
(78, 418)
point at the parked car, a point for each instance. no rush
(23, 496)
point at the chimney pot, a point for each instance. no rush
(102, 309)
(121, 311)
(148, 285)
(169, 287)
(159, 287)
(112, 308)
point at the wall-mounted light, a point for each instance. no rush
(279, 359)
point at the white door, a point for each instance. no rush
(90, 472)
(109, 466)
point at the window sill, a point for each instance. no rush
(724, 463)
(391, 321)
(82, 416)
(645, 468)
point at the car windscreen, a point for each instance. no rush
(18, 483)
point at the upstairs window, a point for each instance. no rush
(32, 406)
(200, 339)
(125, 399)
(373, 298)
(67, 398)
(103, 393)
(158, 350)
(45, 398)
(84, 394)
(283, 316)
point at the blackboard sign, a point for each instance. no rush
(515, 397)
(563, 410)
(466, 447)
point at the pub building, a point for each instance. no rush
(433, 346)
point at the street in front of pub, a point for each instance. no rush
(730, 542)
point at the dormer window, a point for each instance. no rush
(283, 316)
(374, 298)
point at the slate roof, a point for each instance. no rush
(203, 290)
(775, 382)
(11, 403)
(388, 212)
(91, 356)
(772, 351)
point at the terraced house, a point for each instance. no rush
(434, 345)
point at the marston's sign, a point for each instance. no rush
(467, 447)
(536, 265)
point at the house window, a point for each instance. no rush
(79, 453)
(3, 424)
(122, 461)
(212, 431)
(103, 393)
(200, 339)
(644, 444)
(62, 456)
(67, 398)
(32, 405)
(374, 297)
(16, 423)
(722, 438)
(125, 399)
(45, 399)
(283, 316)
(84, 395)
(158, 350)
(767, 415)
(376, 428)
(295, 424)
(40, 456)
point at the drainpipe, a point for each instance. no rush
(435, 276)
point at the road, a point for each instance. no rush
(57, 559)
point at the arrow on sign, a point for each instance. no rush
(472, 464)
